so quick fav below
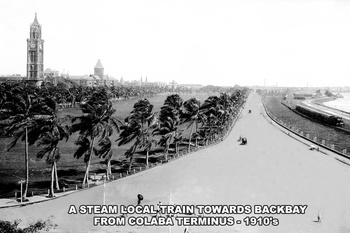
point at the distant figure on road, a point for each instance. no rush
(158, 208)
(244, 141)
(312, 147)
(139, 199)
(318, 217)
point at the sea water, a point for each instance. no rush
(340, 103)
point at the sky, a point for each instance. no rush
(210, 42)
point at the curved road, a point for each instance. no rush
(272, 169)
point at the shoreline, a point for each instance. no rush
(321, 102)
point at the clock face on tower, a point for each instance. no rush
(32, 45)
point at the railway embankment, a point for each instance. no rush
(312, 136)
(321, 102)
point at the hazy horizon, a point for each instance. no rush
(266, 43)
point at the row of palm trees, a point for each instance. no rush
(31, 115)
(32, 118)
(68, 93)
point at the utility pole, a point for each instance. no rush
(104, 190)
(21, 183)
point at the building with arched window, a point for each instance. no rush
(35, 52)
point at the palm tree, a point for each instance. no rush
(5, 94)
(167, 130)
(130, 131)
(169, 119)
(212, 110)
(105, 151)
(147, 142)
(225, 102)
(136, 129)
(190, 114)
(173, 101)
(50, 131)
(22, 110)
(95, 123)
(220, 112)
(177, 140)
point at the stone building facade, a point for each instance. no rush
(35, 52)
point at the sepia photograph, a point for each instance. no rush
(175, 116)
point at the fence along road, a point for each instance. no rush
(272, 169)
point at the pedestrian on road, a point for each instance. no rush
(139, 199)
(186, 230)
(318, 217)
(158, 208)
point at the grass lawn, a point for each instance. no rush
(70, 169)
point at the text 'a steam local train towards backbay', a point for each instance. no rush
(189, 209)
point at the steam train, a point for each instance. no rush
(322, 117)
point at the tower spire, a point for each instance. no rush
(35, 20)
(35, 52)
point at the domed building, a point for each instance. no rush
(98, 70)
(96, 79)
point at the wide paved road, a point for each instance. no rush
(272, 169)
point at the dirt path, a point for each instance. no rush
(272, 169)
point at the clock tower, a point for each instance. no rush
(35, 52)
